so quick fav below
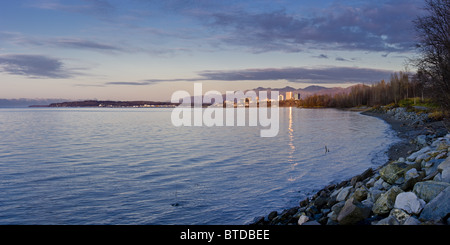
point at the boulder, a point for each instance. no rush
(360, 194)
(374, 194)
(272, 215)
(411, 221)
(352, 212)
(409, 202)
(392, 171)
(399, 215)
(390, 220)
(386, 201)
(437, 208)
(343, 194)
(444, 168)
(413, 156)
(312, 222)
(427, 190)
(412, 173)
(421, 140)
(303, 219)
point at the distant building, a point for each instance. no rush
(280, 97)
(289, 95)
(296, 96)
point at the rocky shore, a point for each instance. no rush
(413, 188)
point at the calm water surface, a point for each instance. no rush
(131, 166)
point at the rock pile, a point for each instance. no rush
(401, 113)
(409, 191)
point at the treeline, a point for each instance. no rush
(431, 80)
(401, 86)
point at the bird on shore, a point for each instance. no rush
(326, 149)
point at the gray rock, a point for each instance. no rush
(378, 184)
(438, 177)
(386, 201)
(444, 168)
(427, 190)
(390, 220)
(411, 221)
(413, 156)
(343, 194)
(437, 208)
(412, 173)
(392, 171)
(399, 215)
(272, 215)
(422, 139)
(441, 155)
(312, 222)
(433, 166)
(352, 212)
(374, 194)
(370, 183)
(368, 203)
(360, 194)
(409, 202)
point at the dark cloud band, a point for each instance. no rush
(293, 74)
(34, 66)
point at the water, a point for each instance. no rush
(131, 166)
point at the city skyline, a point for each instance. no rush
(146, 50)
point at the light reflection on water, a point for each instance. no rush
(131, 166)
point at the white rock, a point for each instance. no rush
(409, 202)
(303, 219)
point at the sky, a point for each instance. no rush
(148, 49)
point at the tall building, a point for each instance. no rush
(289, 95)
(297, 96)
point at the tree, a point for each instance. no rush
(434, 45)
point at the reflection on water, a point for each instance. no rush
(130, 166)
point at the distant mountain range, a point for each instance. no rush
(308, 91)
(10, 103)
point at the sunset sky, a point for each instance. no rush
(146, 50)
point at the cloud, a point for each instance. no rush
(321, 56)
(302, 75)
(378, 26)
(83, 44)
(318, 75)
(59, 42)
(99, 8)
(341, 59)
(34, 66)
